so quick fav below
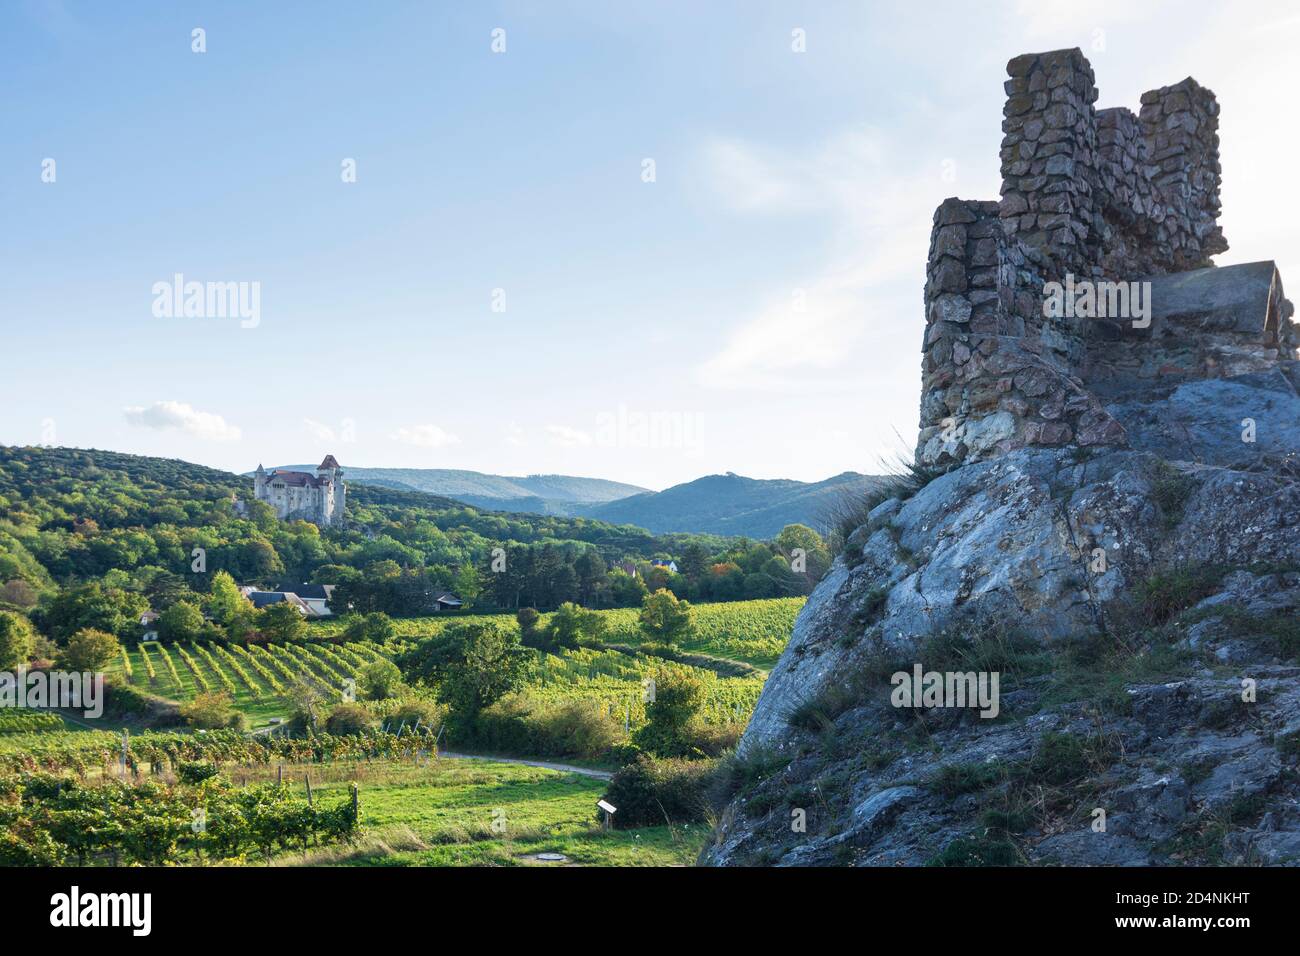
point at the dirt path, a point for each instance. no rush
(563, 767)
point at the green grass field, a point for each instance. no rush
(456, 812)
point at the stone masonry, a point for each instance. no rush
(1088, 196)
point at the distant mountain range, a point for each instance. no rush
(734, 505)
(715, 504)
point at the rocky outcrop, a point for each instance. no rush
(1116, 540)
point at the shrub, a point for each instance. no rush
(89, 650)
(195, 772)
(578, 728)
(977, 851)
(652, 792)
(380, 680)
(349, 720)
(1165, 593)
(415, 713)
(376, 627)
(16, 640)
(677, 700)
(210, 711)
(1170, 489)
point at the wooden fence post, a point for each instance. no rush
(307, 777)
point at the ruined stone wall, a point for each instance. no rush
(1097, 195)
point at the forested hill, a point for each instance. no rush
(72, 513)
(734, 505)
(128, 526)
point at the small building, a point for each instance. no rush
(669, 565)
(316, 597)
(261, 599)
(446, 601)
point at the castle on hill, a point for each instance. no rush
(317, 498)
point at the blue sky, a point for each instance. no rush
(761, 297)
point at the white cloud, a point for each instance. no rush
(877, 240)
(318, 430)
(178, 415)
(567, 437)
(425, 436)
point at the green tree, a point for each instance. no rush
(182, 621)
(375, 627)
(281, 622)
(666, 619)
(380, 680)
(89, 650)
(529, 634)
(805, 550)
(90, 605)
(570, 624)
(472, 664)
(225, 603)
(16, 640)
(678, 698)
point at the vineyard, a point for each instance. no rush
(78, 796)
(256, 676)
(752, 632)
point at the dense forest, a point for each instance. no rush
(104, 536)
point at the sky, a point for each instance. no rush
(642, 242)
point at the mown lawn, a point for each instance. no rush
(456, 812)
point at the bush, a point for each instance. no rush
(89, 650)
(977, 851)
(194, 772)
(578, 728)
(415, 713)
(16, 640)
(571, 624)
(677, 700)
(1167, 592)
(210, 711)
(380, 680)
(515, 725)
(349, 720)
(652, 792)
(376, 627)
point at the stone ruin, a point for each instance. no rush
(1096, 199)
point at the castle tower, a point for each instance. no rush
(332, 490)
